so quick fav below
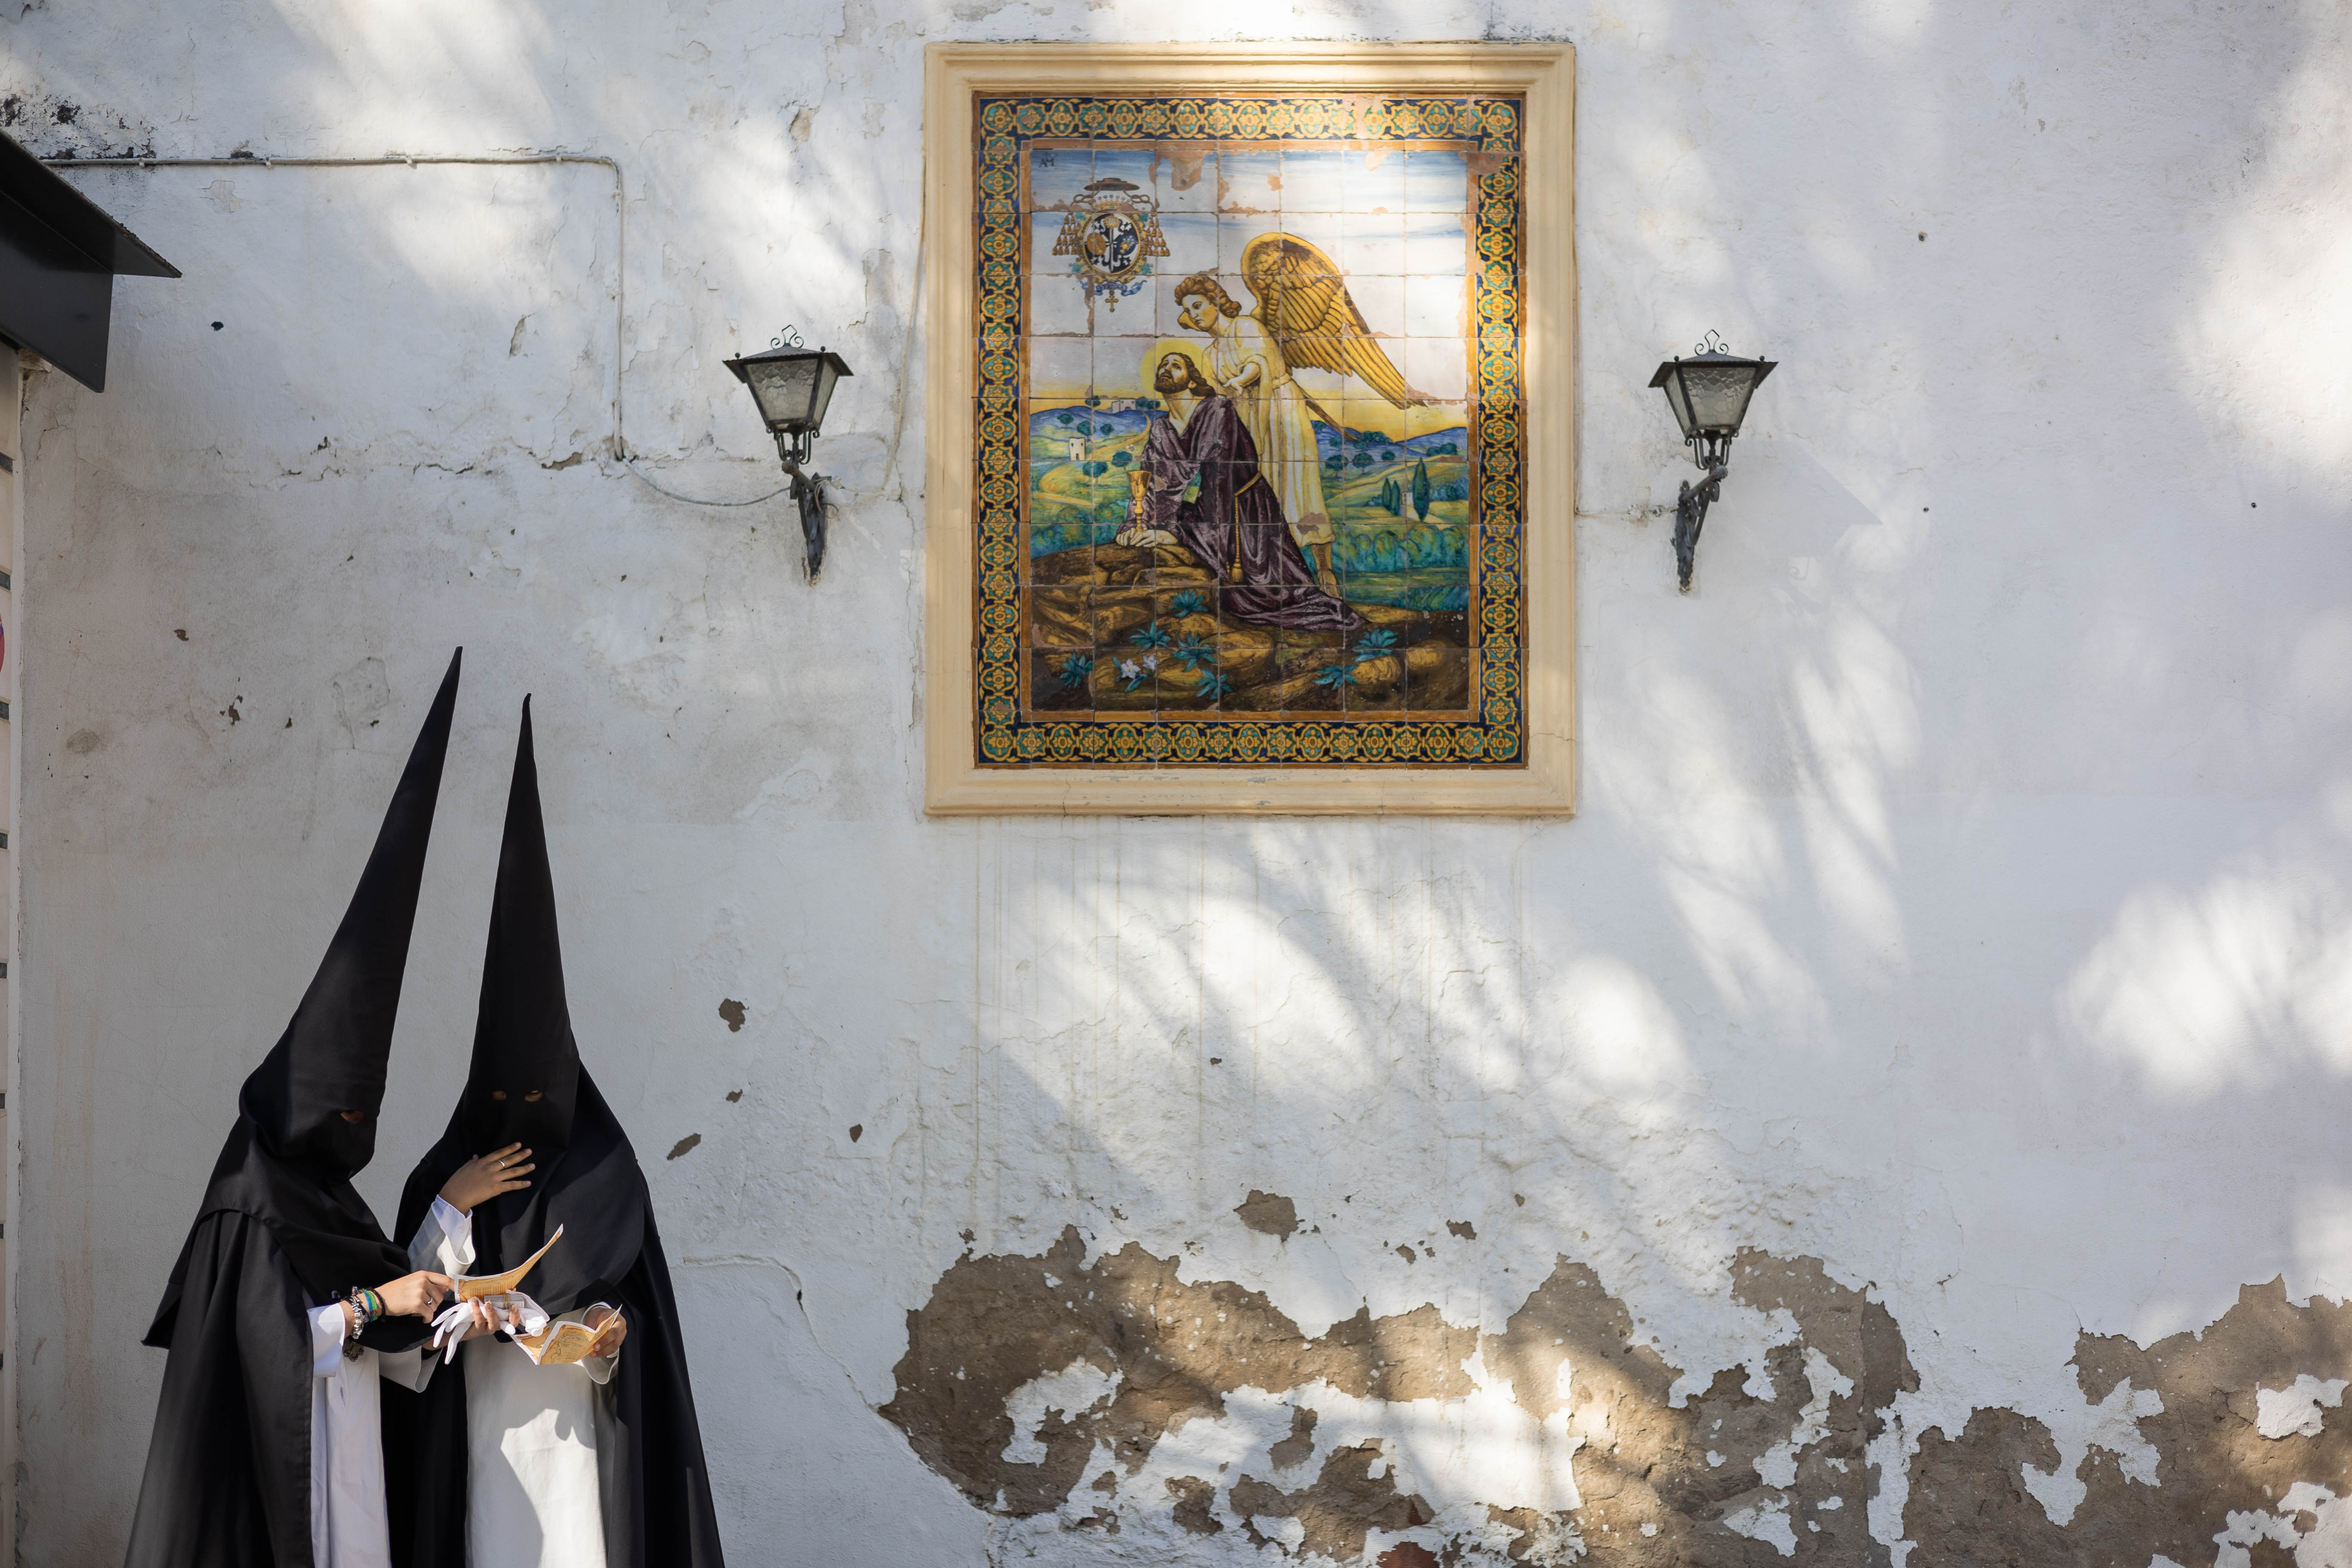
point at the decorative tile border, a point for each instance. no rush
(1496, 738)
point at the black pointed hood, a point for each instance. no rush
(288, 1160)
(587, 1179)
(522, 1035)
(334, 1053)
(652, 1478)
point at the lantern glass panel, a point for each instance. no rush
(1672, 380)
(1714, 397)
(785, 389)
(826, 375)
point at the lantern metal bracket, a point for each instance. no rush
(808, 494)
(1690, 516)
(1711, 453)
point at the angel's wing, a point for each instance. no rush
(1303, 304)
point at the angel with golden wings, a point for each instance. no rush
(1305, 317)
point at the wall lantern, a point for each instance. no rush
(1709, 394)
(792, 385)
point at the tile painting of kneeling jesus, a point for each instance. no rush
(1249, 485)
(1251, 381)
(1251, 457)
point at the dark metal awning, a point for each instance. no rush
(59, 254)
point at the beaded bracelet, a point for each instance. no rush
(367, 1307)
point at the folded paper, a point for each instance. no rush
(472, 1286)
(561, 1344)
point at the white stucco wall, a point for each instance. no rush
(1962, 890)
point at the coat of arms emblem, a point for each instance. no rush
(1111, 233)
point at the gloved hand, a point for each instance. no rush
(509, 1312)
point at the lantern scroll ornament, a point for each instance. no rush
(1709, 394)
(1111, 233)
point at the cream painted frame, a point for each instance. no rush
(954, 782)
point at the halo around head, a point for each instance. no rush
(1190, 348)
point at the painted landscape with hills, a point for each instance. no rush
(1117, 629)
(1400, 509)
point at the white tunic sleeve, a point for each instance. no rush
(411, 1368)
(327, 1328)
(348, 1524)
(445, 1242)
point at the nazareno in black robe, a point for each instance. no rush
(653, 1486)
(281, 1230)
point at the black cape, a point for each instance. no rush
(281, 1229)
(655, 1487)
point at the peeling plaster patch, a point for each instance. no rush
(1779, 1464)
(685, 1144)
(1968, 1495)
(2058, 1492)
(1354, 1494)
(1182, 1351)
(731, 1012)
(2191, 1468)
(1076, 1390)
(1195, 1499)
(2293, 1411)
(2325, 1543)
(1542, 1539)
(53, 127)
(2113, 1426)
(1299, 1447)
(1552, 1441)
(1268, 1214)
(1766, 1519)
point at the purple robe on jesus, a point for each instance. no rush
(1236, 526)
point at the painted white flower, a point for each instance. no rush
(1127, 670)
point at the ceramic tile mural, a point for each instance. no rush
(1250, 432)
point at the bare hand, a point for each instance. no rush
(417, 1295)
(612, 1329)
(485, 1176)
